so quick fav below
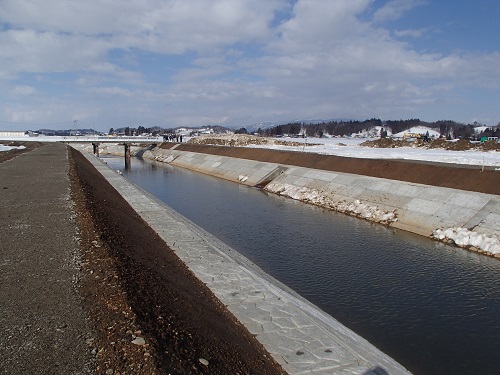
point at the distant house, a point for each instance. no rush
(206, 131)
(11, 133)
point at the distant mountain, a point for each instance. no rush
(251, 128)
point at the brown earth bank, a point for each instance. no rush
(462, 177)
(137, 289)
(439, 143)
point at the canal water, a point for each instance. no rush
(432, 307)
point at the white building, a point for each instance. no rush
(11, 133)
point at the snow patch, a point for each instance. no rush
(316, 197)
(418, 130)
(8, 148)
(163, 158)
(464, 237)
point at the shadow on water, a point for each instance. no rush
(432, 307)
(127, 163)
(376, 371)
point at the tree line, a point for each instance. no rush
(131, 131)
(446, 128)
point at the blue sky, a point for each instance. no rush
(114, 63)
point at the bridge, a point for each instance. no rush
(95, 140)
(83, 139)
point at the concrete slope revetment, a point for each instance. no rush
(432, 211)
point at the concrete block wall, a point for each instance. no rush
(247, 172)
(417, 208)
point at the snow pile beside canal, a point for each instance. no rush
(465, 238)
(8, 148)
(355, 208)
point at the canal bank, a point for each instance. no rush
(456, 204)
(299, 336)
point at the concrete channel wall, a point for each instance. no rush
(470, 219)
(301, 337)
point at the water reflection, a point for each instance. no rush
(432, 307)
(127, 163)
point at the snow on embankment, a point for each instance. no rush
(462, 237)
(466, 238)
(313, 196)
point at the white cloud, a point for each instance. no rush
(111, 91)
(76, 35)
(46, 52)
(394, 9)
(320, 24)
(23, 90)
(413, 33)
(168, 26)
(232, 60)
(24, 115)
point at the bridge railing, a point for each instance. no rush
(113, 139)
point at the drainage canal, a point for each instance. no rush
(432, 307)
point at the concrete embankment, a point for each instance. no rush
(459, 204)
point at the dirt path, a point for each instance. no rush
(44, 328)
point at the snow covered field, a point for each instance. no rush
(350, 147)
